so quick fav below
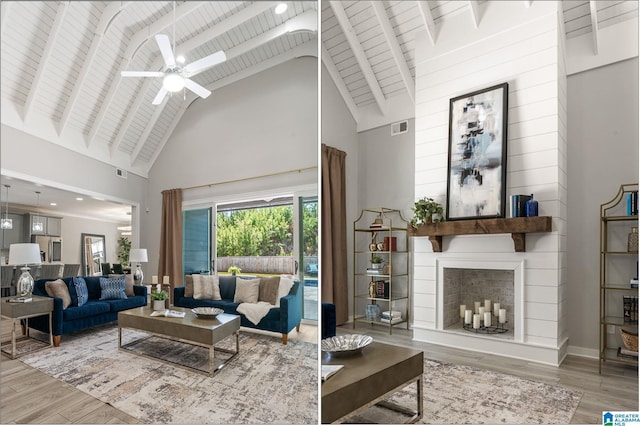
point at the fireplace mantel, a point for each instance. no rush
(518, 227)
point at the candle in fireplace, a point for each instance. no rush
(476, 321)
(467, 316)
(476, 307)
(496, 309)
(487, 319)
(487, 305)
(462, 309)
(481, 311)
(502, 316)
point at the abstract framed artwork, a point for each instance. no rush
(477, 169)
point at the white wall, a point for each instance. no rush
(526, 51)
(338, 129)
(264, 124)
(74, 227)
(602, 155)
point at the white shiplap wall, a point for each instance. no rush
(527, 51)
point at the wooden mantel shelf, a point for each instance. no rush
(518, 227)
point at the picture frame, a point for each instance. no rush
(477, 159)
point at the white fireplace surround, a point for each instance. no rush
(518, 281)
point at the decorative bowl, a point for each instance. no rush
(205, 312)
(348, 344)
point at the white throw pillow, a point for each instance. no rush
(206, 287)
(247, 291)
(286, 282)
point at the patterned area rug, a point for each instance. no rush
(456, 394)
(268, 383)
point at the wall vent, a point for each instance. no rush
(121, 173)
(399, 128)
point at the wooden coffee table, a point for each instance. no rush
(370, 377)
(190, 329)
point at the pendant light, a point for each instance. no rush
(37, 226)
(6, 222)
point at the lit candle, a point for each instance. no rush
(502, 316)
(154, 279)
(487, 319)
(165, 279)
(476, 307)
(467, 316)
(462, 309)
(476, 321)
(487, 305)
(496, 309)
(481, 311)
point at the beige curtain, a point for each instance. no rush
(334, 232)
(170, 262)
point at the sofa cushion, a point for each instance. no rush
(128, 282)
(112, 288)
(227, 286)
(286, 282)
(269, 289)
(247, 291)
(188, 286)
(93, 286)
(89, 309)
(78, 291)
(118, 305)
(59, 289)
(206, 287)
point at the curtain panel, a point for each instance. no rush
(334, 232)
(170, 262)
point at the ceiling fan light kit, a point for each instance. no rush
(173, 82)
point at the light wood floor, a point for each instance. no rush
(28, 396)
(614, 390)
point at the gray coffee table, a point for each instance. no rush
(190, 329)
(370, 377)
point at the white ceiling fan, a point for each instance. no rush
(176, 77)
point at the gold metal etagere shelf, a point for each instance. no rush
(375, 225)
(613, 283)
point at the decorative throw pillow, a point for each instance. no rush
(112, 288)
(59, 289)
(188, 286)
(206, 287)
(247, 291)
(128, 283)
(78, 287)
(269, 289)
(286, 282)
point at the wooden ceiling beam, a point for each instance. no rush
(358, 53)
(427, 18)
(110, 12)
(54, 32)
(396, 51)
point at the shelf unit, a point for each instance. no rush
(392, 226)
(617, 267)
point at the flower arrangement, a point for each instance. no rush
(233, 270)
(159, 294)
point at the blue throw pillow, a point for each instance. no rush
(78, 291)
(112, 288)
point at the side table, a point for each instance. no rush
(17, 311)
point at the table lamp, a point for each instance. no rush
(24, 254)
(138, 256)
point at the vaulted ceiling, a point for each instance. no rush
(368, 46)
(62, 61)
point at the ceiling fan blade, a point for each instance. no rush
(204, 63)
(165, 48)
(160, 96)
(196, 88)
(141, 74)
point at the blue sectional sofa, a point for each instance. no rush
(94, 312)
(279, 320)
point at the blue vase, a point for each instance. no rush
(532, 207)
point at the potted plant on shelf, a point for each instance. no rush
(377, 262)
(158, 296)
(426, 210)
(234, 270)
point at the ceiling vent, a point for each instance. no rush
(399, 128)
(121, 173)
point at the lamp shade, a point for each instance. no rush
(24, 254)
(138, 255)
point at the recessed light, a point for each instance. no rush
(180, 59)
(281, 8)
(53, 204)
(79, 198)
